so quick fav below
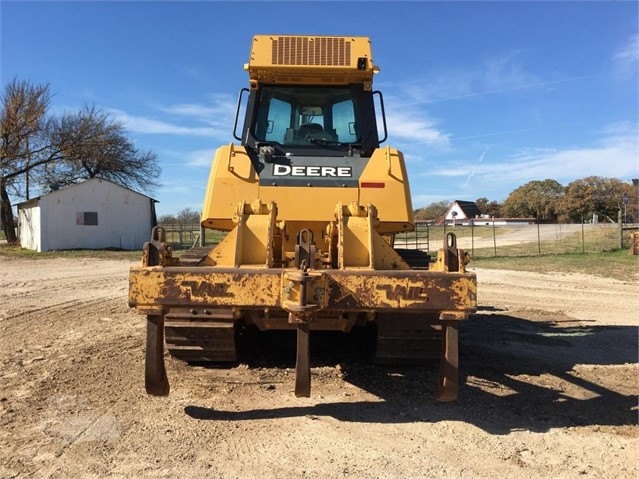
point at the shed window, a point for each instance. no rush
(87, 218)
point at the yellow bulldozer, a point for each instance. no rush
(311, 205)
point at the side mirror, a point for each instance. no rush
(237, 112)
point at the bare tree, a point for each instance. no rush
(62, 151)
(187, 216)
(169, 219)
(22, 125)
(94, 145)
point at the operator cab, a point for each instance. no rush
(301, 120)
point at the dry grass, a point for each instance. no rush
(615, 264)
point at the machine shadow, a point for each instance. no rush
(511, 376)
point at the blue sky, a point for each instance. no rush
(481, 97)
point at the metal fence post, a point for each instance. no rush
(620, 229)
(538, 237)
(494, 238)
(472, 238)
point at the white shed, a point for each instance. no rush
(94, 214)
(461, 212)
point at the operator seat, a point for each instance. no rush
(307, 128)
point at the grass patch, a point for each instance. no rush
(12, 251)
(436, 233)
(592, 239)
(617, 264)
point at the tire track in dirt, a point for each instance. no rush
(35, 288)
(73, 383)
(61, 307)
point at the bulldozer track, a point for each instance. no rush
(406, 339)
(194, 340)
(415, 258)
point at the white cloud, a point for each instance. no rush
(220, 112)
(505, 73)
(496, 75)
(415, 127)
(629, 53)
(437, 85)
(420, 201)
(140, 124)
(200, 158)
(213, 120)
(189, 109)
(180, 189)
(616, 156)
(411, 125)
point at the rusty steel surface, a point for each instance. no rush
(157, 288)
(303, 362)
(155, 379)
(448, 383)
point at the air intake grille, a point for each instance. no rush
(325, 51)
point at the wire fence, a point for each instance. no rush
(188, 235)
(492, 240)
(182, 235)
(486, 240)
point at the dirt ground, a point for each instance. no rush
(548, 369)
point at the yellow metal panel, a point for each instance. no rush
(232, 179)
(255, 241)
(306, 204)
(225, 253)
(384, 256)
(393, 202)
(250, 243)
(307, 59)
(354, 242)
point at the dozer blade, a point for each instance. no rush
(155, 380)
(302, 364)
(448, 383)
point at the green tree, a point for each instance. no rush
(594, 195)
(538, 199)
(433, 211)
(490, 208)
(631, 209)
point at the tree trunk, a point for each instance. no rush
(7, 214)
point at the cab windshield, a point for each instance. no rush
(297, 116)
